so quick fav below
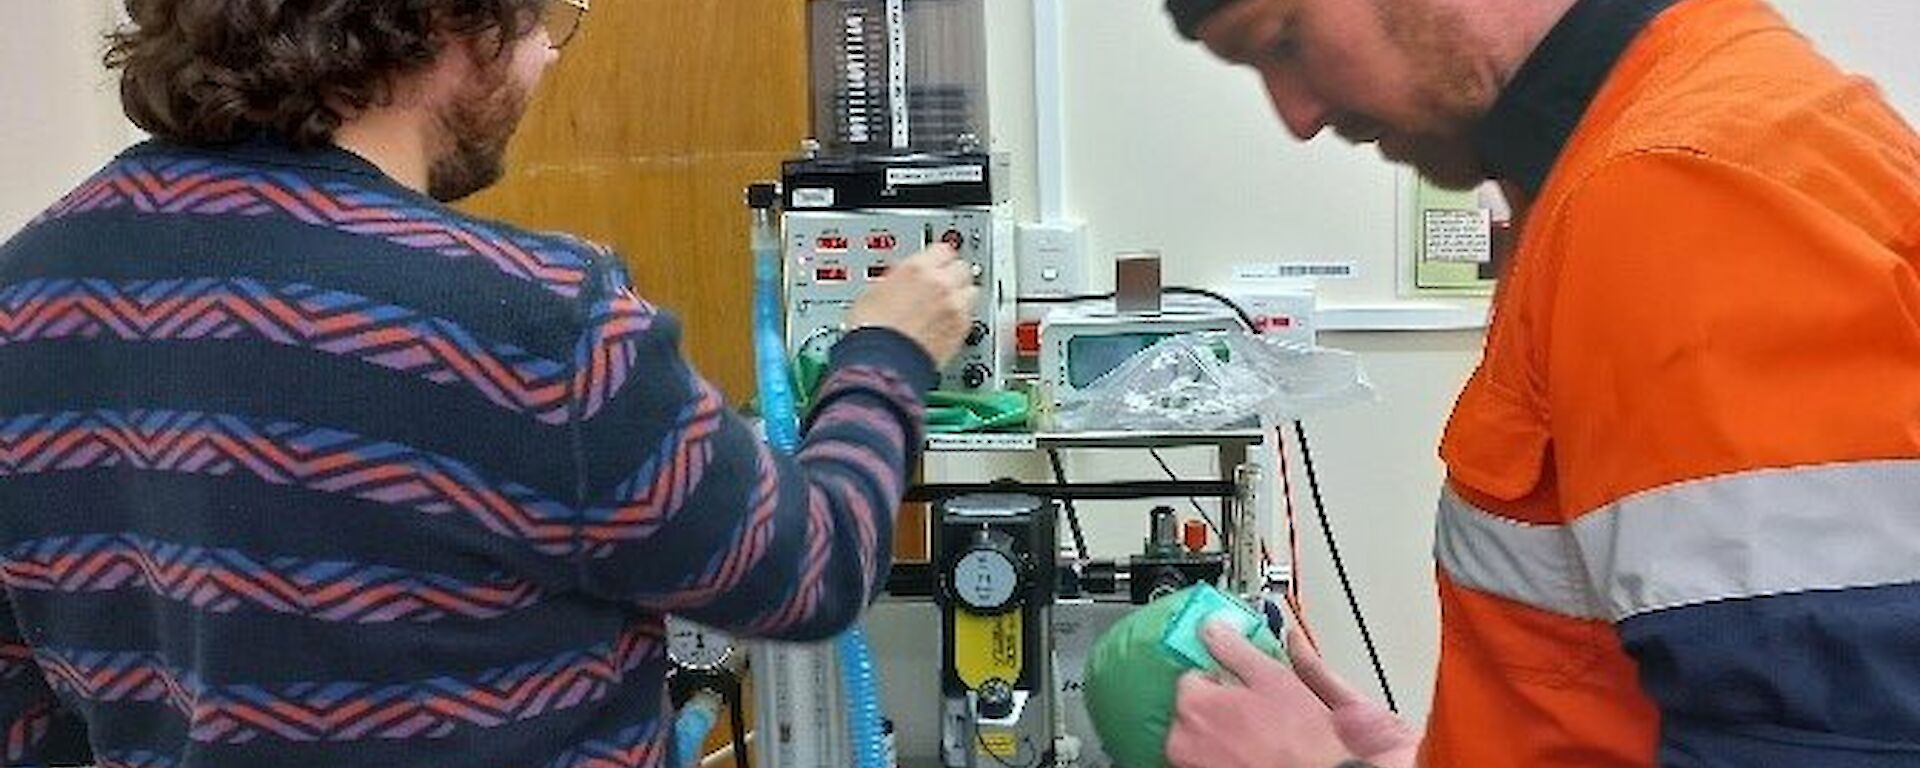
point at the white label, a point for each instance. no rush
(982, 442)
(813, 197)
(921, 177)
(1460, 235)
(1280, 270)
(897, 71)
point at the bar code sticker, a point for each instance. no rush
(1280, 270)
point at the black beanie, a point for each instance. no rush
(1188, 14)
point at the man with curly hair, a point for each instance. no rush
(300, 467)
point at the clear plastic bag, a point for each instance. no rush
(1215, 380)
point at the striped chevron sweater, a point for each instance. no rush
(300, 468)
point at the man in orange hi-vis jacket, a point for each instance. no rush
(1681, 524)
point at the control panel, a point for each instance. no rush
(834, 256)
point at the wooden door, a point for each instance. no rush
(644, 135)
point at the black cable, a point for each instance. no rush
(1065, 298)
(1073, 514)
(1340, 567)
(1076, 298)
(1245, 319)
(1155, 452)
(1040, 759)
(737, 715)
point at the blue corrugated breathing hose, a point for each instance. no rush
(778, 412)
(691, 728)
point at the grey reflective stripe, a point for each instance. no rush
(1753, 534)
(1531, 564)
(1772, 532)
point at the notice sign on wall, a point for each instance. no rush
(1459, 236)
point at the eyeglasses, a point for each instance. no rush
(563, 19)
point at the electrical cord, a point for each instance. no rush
(1073, 513)
(1294, 592)
(737, 717)
(1164, 467)
(1313, 483)
(1340, 567)
(1180, 290)
(1040, 759)
(1065, 298)
(1245, 319)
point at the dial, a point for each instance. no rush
(986, 579)
(692, 646)
(996, 699)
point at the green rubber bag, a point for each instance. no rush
(1134, 669)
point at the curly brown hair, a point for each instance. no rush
(210, 72)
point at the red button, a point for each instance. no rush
(1194, 535)
(1026, 338)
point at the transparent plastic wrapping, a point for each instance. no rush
(898, 76)
(1216, 380)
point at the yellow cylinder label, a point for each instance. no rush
(986, 647)
(1003, 745)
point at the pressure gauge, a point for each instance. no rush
(988, 576)
(691, 646)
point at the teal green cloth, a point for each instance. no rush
(808, 369)
(947, 412)
(1134, 670)
(976, 411)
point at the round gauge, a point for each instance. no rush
(692, 646)
(820, 342)
(986, 579)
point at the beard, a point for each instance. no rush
(475, 128)
(1438, 44)
(1448, 161)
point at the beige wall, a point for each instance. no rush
(59, 117)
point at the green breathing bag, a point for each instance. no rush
(1134, 670)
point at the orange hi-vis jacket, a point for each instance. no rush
(1682, 520)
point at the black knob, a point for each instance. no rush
(977, 333)
(974, 376)
(762, 195)
(996, 699)
(1163, 535)
(1100, 577)
(1166, 581)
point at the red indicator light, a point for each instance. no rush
(1027, 338)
